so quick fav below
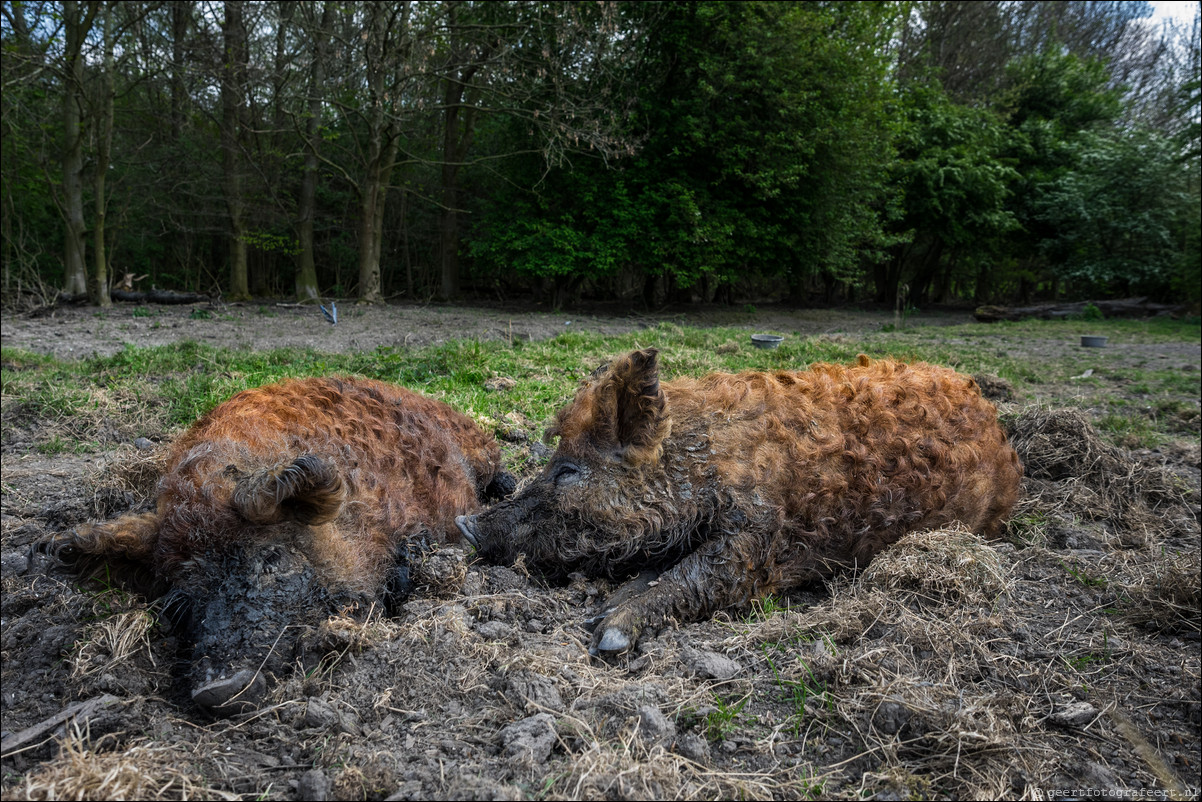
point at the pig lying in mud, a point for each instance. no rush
(289, 502)
(738, 486)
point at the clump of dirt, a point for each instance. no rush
(1071, 469)
(995, 388)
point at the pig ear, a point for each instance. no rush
(308, 490)
(642, 422)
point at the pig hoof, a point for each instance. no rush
(613, 640)
(229, 695)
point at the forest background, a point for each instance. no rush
(903, 153)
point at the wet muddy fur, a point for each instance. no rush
(738, 486)
(286, 503)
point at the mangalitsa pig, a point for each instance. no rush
(739, 486)
(288, 503)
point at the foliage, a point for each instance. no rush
(954, 186)
(1111, 221)
(754, 160)
(937, 149)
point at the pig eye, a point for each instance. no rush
(566, 474)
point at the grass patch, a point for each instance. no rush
(1084, 578)
(722, 720)
(156, 391)
(797, 692)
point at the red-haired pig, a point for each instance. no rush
(287, 503)
(738, 486)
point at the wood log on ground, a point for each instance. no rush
(80, 711)
(127, 296)
(1122, 307)
(158, 297)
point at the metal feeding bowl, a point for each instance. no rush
(766, 340)
(1093, 341)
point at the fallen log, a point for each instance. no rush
(128, 296)
(158, 297)
(1122, 307)
(39, 732)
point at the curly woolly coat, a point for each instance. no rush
(737, 486)
(352, 466)
(288, 501)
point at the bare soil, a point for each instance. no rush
(84, 331)
(1062, 662)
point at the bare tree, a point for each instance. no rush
(77, 20)
(319, 36)
(233, 121)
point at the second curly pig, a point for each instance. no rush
(738, 486)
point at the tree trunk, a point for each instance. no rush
(180, 13)
(984, 288)
(405, 245)
(921, 283)
(232, 88)
(75, 280)
(99, 288)
(371, 218)
(385, 56)
(455, 144)
(306, 272)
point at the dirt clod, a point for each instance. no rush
(531, 739)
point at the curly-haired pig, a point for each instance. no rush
(738, 486)
(287, 503)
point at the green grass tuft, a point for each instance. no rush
(157, 391)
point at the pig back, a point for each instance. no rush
(407, 461)
(847, 459)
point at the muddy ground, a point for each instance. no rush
(1065, 659)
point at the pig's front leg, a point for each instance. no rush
(723, 572)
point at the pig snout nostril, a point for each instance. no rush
(240, 693)
(467, 525)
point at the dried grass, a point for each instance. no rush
(142, 771)
(932, 673)
(131, 471)
(624, 766)
(905, 658)
(947, 565)
(107, 644)
(1069, 466)
(1159, 591)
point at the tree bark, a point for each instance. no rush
(306, 269)
(232, 101)
(457, 138)
(75, 280)
(371, 219)
(386, 50)
(99, 288)
(181, 11)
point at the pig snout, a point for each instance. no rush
(240, 693)
(246, 624)
(502, 531)
(468, 526)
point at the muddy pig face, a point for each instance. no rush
(245, 612)
(604, 501)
